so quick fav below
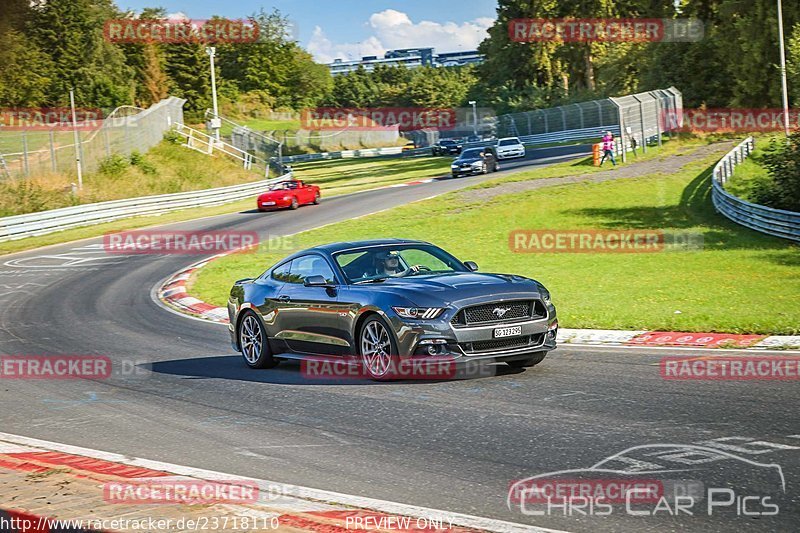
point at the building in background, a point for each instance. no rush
(410, 58)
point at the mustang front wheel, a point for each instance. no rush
(377, 348)
(253, 342)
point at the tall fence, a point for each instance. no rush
(639, 118)
(123, 131)
(273, 145)
(776, 222)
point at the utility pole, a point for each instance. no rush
(216, 123)
(474, 117)
(783, 70)
(77, 139)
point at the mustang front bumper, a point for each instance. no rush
(469, 343)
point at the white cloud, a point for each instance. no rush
(393, 29)
(325, 51)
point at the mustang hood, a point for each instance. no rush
(459, 289)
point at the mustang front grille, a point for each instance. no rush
(497, 345)
(499, 313)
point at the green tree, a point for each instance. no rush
(70, 32)
(25, 71)
(275, 64)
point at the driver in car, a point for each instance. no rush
(388, 264)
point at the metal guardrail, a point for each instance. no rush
(541, 138)
(775, 222)
(33, 224)
(346, 154)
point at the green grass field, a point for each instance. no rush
(341, 176)
(750, 174)
(180, 168)
(740, 282)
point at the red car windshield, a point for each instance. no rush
(284, 185)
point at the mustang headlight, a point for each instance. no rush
(454, 165)
(421, 313)
(545, 293)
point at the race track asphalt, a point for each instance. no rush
(453, 445)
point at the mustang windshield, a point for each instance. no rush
(381, 262)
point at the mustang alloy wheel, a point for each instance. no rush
(377, 349)
(253, 342)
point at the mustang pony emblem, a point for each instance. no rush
(500, 311)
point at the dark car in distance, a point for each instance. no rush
(446, 147)
(475, 161)
(383, 299)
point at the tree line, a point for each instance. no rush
(50, 46)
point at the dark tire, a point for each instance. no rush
(455, 175)
(533, 360)
(316, 198)
(253, 342)
(374, 338)
(294, 205)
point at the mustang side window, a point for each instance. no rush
(311, 265)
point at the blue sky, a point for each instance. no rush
(352, 28)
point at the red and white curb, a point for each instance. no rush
(295, 506)
(676, 338)
(173, 293)
(415, 182)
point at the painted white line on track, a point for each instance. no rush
(304, 493)
(722, 352)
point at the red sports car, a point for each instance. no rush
(290, 193)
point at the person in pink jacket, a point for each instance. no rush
(608, 148)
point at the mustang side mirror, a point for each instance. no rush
(316, 281)
(472, 265)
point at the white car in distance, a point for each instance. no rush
(509, 147)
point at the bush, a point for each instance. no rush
(782, 189)
(141, 162)
(173, 137)
(113, 165)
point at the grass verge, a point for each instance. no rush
(334, 177)
(740, 282)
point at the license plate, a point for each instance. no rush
(267, 203)
(507, 332)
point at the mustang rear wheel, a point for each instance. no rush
(253, 342)
(377, 348)
(533, 360)
(316, 198)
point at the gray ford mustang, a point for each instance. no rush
(372, 301)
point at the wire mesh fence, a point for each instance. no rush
(125, 130)
(641, 118)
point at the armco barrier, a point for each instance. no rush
(541, 138)
(346, 154)
(21, 226)
(776, 222)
